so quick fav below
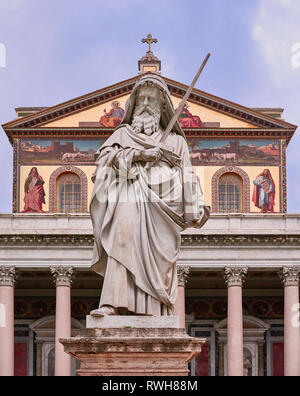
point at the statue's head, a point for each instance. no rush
(147, 109)
(150, 106)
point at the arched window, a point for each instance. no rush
(68, 193)
(230, 193)
(66, 184)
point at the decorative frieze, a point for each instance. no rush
(47, 240)
(63, 276)
(235, 275)
(290, 276)
(186, 240)
(90, 132)
(258, 240)
(182, 275)
(7, 276)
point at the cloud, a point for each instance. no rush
(276, 30)
(276, 34)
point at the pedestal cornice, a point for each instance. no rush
(133, 351)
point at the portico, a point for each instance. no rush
(265, 311)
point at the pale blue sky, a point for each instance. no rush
(60, 49)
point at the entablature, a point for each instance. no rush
(42, 240)
(96, 132)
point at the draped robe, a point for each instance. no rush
(34, 194)
(264, 198)
(137, 217)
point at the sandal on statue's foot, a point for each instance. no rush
(106, 310)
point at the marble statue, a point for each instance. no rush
(143, 197)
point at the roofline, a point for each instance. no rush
(31, 108)
(69, 102)
(58, 128)
(236, 105)
(279, 109)
(127, 82)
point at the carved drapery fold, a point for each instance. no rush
(235, 275)
(63, 276)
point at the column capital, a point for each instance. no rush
(63, 276)
(8, 276)
(182, 275)
(290, 276)
(235, 275)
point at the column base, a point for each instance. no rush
(128, 351)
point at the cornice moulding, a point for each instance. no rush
(186, 240)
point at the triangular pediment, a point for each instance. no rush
(102, 109)
(109, 114)
(104, 115)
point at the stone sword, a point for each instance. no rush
(179, 109)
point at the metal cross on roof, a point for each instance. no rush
(149, 40)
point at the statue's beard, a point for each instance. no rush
(146, 120)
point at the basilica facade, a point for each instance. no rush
(238, 275)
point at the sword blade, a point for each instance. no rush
(183, 102)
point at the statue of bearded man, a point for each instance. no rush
(138, 211)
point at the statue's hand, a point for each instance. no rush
(204, 212)
(151, 155)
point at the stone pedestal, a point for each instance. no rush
(132, 350)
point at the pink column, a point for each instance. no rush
(234, 278)
(63, 279)
(179, 307)
(290, 280)
(7, 280)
